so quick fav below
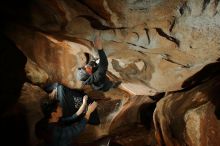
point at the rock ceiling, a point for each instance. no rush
(153, 46)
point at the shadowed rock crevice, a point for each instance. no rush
(205, 74)
(148, 36)
(16, 10)
(217, 110)
(163, 34)
(88, 57)
(172, 24)
(205, 4)
(158, 96)
(137, 45)
(167, 57)
(12, 75)
(95, 11)
(217, 2)
(164, 52)
(216, 100)
(146, 114)
(183, 8)
(96, 24)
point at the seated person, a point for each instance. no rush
(53, 128)
(70, 100)
(95, 74)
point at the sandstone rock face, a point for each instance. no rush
(190, 117)
(152, 46)
(192, 123)
(30, 98)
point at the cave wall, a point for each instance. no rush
(152, 46)
(190, 117)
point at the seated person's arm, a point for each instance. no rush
(79, 112)
(91, 108)
(83, 106)
(76, 128)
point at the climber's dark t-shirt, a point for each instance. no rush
(71, 100)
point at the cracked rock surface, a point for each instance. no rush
(153, 47)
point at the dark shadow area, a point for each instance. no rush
(87, 57)
(205, 74)
(157, 97)
(114, 144)
(214, 95)
(210, 71)
(12, 74)
(146, 111)
(163, 34)
(216, 101)
(96, 24)
(105, 141)
(217, 109)
(13, 124)
(205, 4)
(15, 11)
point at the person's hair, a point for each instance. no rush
(48, 106)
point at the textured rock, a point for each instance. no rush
(162, 35)
(190, 117)
(152, 46)
(34, 73)
(30, 99)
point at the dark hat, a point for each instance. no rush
(82, 75)
(49, 87)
